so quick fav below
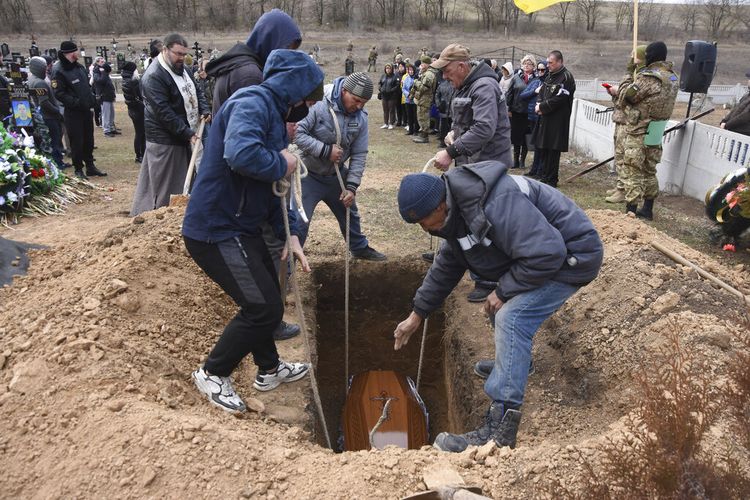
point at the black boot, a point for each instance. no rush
(524, 152)
(647, 212)
(505, 434)
(79, 173)
(92, 171)
(631, 207)
(457, 443)
(516, 155)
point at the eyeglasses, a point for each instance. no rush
(541, 70)
(180, 55)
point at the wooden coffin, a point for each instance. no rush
(406, 423)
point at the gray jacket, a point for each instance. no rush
(512, 230)
(481, 127)
(316, 133)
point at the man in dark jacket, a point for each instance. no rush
(554, 107)
(481, 129)
(70, 83)
(233, 198)
(174, 106)
(46, 101)
(738, 120)
(105, 90)
(533, 241)
(242, 65)
(131, 90)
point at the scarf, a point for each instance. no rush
(187, 88)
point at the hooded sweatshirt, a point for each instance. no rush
(47, 101)
(242, 65)
(233, 191)
(511, 230)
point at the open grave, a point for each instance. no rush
(380, 297)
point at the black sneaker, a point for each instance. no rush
(369, 253)
(479, 294)
(79, 173)
(286, 331)
(428, 256)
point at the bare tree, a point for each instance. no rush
(562, 9)
(623, 10)
(718, 16)
(16, 15)
(66, 14)
(687, 13)
(590, 11)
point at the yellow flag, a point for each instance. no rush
(529, 6)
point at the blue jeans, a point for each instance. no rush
(317, 188)
(515, 325)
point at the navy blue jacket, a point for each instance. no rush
(511, 230)
(233, 191)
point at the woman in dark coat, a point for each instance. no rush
(131, 90)
(518, 109)
(389, 92)
(530, 96)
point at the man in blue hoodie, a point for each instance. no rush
(231, 201)
(323, 152)
(242, 66)
(530, 239)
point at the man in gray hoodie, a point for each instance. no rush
(528, 237)
(50, 106)
(323, 151)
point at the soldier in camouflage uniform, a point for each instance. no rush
(372, 59)
(617, 194)
(423, 90)
(648, 104)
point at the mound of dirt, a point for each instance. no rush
(99, 339)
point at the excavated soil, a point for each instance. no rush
(98, 341)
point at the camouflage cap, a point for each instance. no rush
(453, 52)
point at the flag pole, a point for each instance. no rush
(635, 26)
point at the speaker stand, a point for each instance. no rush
(690, 104)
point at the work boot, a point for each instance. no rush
(631, 208)
(524, 152)
(483, 368)
(422, 138)
(92, 171)
(516, 156)
(479, 294)
(79, 173)
(369, 253)
(493, 422)
(616, 197)
(286, 331)
(505, 435)
(647, 211)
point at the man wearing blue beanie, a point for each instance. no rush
(528, 237)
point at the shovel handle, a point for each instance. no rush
(193, 157)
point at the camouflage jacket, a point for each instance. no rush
(651, 96)
(424, 87)
(618, 115)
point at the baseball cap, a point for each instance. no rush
(453, 52)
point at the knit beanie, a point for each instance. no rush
(67, 47)
(425, 60)
(359, 84)
(656, 51)
(419, 195)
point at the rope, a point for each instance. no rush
(430, 163)
(281, 188)
(383, 418)
(346, 257)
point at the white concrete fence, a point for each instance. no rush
(695, 157)
(719, 94)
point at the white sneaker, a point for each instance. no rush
(219, 390)
(285, 372)
(384, 126)
(390, 127)
(406, 127)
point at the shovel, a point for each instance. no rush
(181, 200)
